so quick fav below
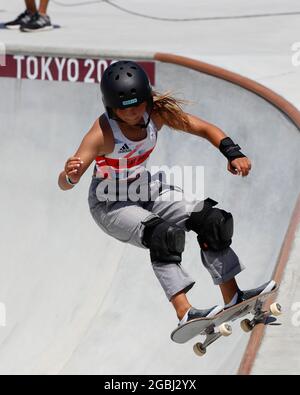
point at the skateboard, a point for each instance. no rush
(219, 325)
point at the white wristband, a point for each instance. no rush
(69, 181)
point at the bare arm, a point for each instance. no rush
(201, 128)
(240, 165)
(94, 143)
(197, 126)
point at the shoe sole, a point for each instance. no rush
(212, 314)
(269, 287)
(215, 311)
(42, 29)
(16, 27)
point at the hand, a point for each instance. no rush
(73, 167)
(240, 166)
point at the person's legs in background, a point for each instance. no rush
(43, 7)
(24, 17)
(31, 6)
(39, 21)
(33, 19)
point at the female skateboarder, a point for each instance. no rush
(130, 205)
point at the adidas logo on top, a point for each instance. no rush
(124, 149)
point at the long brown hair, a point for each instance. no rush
(170, 110)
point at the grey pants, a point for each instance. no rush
(123, 221)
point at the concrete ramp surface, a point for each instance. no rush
(80, 302)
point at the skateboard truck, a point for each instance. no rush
(211, 336)
(262, 317)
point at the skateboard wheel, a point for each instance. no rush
(246, 325)
(199, 349)
(275, 309)
(225, 329)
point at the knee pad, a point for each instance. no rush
(165, 241)
(213, 226)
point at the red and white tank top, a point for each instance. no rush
(129, 158)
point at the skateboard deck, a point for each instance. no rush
(219, 325)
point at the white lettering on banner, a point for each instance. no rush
(91, 63)
(53, 68)
(32, 61)
(73, 77)
(19, 59)
(60, 64)
(45, 69)
(101, 67)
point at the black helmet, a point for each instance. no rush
(125, 84)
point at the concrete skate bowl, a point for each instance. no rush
(79, 302)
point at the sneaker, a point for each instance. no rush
(241, 296)
(19, 21)
(37, 23)
(193, 313)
